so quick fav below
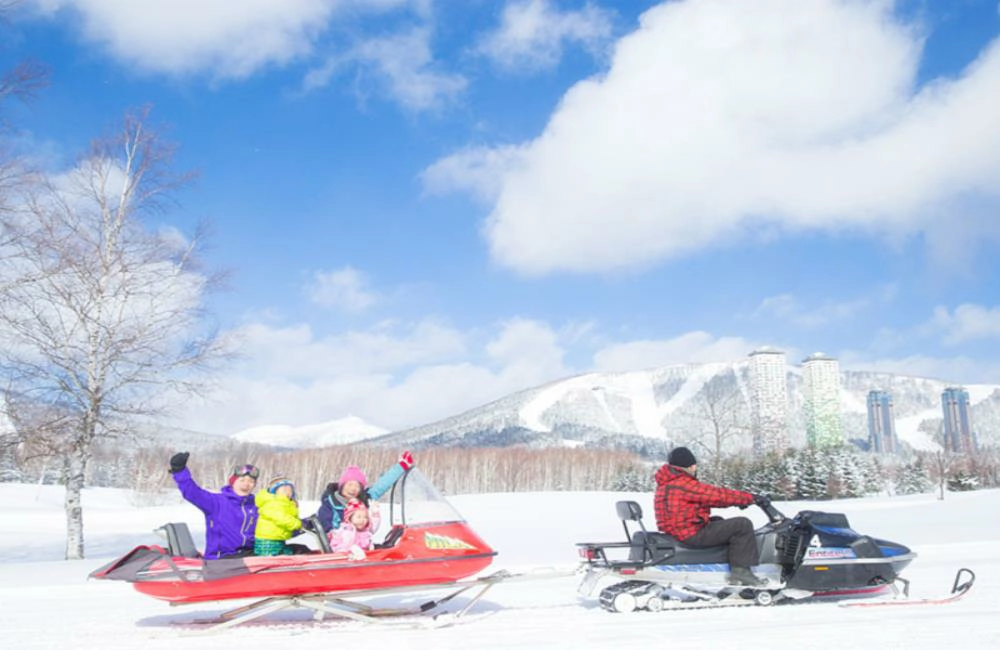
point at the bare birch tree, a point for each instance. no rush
(941, 467)
(101, 317)
(722, 406)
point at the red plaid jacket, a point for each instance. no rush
(683, 504)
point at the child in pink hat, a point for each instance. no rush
(356, 530)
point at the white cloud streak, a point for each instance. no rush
(400, 66)
(477, 170)
(718, 117)
(533, 33)
(692, 347)
(790, 310)
(968, 322)
(959, 369)
(345, 289)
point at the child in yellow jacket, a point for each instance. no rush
(277, 518)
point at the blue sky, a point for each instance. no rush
(429, 204)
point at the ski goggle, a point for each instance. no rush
(246, 470)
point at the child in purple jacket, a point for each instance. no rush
(230, 514)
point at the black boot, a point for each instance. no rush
(743, 576)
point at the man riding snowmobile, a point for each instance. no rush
(683, 507)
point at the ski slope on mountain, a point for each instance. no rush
(671, 403)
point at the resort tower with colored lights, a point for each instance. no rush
(768, 400)
(821, 379)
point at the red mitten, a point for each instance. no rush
(406, 461)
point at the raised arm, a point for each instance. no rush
(201, 498)
(391, 475)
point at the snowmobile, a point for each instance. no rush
(428, 546)
(811, 555)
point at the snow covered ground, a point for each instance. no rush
(48, 603)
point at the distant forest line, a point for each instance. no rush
(811, 474)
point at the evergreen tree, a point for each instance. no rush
(913, 478)
(813, 475)
(962, 481)
(635, 478)
(873, 475)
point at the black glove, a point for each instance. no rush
(761, 500)
(307, 525)
(178, 462)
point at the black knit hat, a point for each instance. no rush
(681, 457)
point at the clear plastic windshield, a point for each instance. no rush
(414, 500)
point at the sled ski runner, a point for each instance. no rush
(342, 604)
(959, 588)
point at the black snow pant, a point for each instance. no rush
(737, 532)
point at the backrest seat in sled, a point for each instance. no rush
(651, 548)
(179, 540)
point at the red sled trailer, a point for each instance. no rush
(427, 545)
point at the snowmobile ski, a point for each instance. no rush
(964, 580)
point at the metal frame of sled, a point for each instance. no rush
(337, 603)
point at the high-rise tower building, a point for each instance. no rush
(881, 423)
(958, 436)
(768, 400)
(821, 376)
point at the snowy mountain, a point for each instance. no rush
(650, 411)
(156, 436)
(335, 432)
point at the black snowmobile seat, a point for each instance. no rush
(179, 540)
(651, 548)
(661, 548)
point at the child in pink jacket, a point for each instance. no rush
(355, 533)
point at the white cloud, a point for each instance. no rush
(224, 38)
(392, 375)
(692, 347)
(718, 117)
(789, 309)
(346, 289)
(529, 352)
(477, 170)
(968, 322)
(532, 34)
(297, 353)
(229, 39)
(401, 66)
(959, 369)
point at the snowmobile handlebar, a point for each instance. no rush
(774, 515)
